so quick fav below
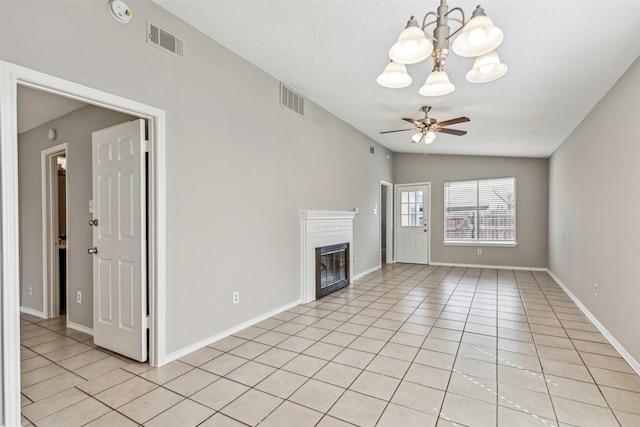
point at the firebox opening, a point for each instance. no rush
(332, 268)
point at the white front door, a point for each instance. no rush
(412, 202)
(119, 240)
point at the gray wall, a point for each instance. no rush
(239, 167)
(75, 129)
(594, 232)
(531, 204)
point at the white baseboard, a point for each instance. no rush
(80, 328)
(364, 273)
(31, 311)
(499, 267)
(623, 352)
(205, 342)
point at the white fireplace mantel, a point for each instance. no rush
(318, 229)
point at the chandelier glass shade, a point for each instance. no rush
(394, 76)
(437, 84)
(412, 45)
(486, 68)
(478, 37)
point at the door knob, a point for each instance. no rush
(93, 222)
(92, 251)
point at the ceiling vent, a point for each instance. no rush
(291, 100)
(161, 39)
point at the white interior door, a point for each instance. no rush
(412, 224)
(119, 239)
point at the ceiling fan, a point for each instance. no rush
(428, 127)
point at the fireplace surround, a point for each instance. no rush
(319, 229)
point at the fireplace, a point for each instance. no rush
(317, 230)
(332, 268)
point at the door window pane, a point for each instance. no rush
(411, 209)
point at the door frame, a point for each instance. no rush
(50, 230)
(11, 76)
(389, 224)
(427, 212)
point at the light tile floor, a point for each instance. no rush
(405, 346)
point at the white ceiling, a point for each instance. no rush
(563, 56)
(36, 107)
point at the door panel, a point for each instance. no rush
(120, 273)
(412, 203)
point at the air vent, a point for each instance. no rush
(291, 100)
(161, 39)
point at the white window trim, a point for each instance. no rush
(473, 242)
(480, 243)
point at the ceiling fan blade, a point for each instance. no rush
(454, 121)
(453, 131)
(414, 122)
(399, 130)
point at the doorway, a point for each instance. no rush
(54, 229)
(11, 76)
(413, 223)
(386, 223)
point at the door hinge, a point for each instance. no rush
(146, 146)
(145, 322)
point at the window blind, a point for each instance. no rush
(482, 210)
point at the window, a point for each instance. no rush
(482, 210)
(411, 210)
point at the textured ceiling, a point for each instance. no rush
(563, 56)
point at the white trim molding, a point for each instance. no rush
(635, 365)
(31, 311)
(10, 76)
(364, 273)
(217, 337)
(499, 267)
(80, 328)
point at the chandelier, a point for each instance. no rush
(478, 38)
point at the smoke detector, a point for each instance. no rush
(120, 11)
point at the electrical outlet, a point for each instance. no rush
(479, 251)
(596, 289)
(30, 290)
(236, 297)
(363, 257)
(79, 297)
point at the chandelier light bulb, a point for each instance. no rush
(437, 84)
(478, 37)
(417, 137)
(486, 68)
(412, 45)
(394, 76)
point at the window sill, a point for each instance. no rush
(477, 243)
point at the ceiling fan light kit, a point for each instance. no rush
(477, 37)
(428, 127)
